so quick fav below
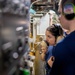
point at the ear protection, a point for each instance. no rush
(69, 10)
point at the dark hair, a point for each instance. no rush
(55, 30)
(46, 42)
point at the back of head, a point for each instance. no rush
(55, 30)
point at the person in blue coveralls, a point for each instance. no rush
(64, 52)
(52, 34)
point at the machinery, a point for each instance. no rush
(14, 34)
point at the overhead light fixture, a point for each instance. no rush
(19, 28)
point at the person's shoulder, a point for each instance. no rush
(66, 42)
(50, 47)
(60, 45)
(69, 38)
(59, 49)
(71, 35)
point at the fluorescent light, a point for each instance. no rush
(19, 28)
